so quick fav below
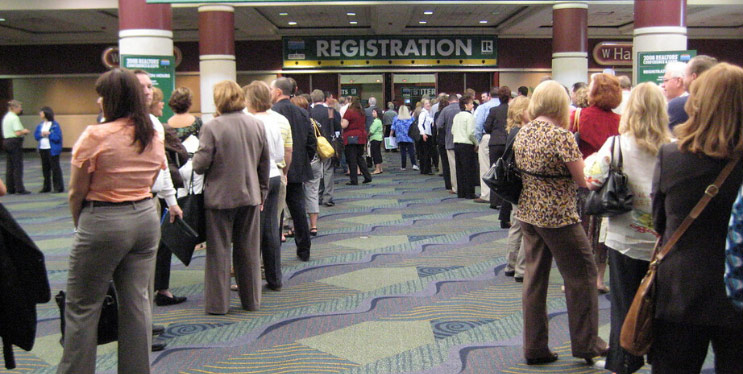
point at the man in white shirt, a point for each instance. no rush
(164, 189)
(483, 153)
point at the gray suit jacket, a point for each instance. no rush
(233, 155)
(445, 121)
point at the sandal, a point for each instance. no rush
(289, 234)
(313, 231)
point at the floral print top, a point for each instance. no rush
(192, 129)
(543, 148)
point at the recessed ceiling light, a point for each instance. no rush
(353, 22)
(283, 14)
(483, 21)
(422, 22)
(350, 14)
(428, 12)
(292, 23)
(2, 19)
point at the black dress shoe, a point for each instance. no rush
(158, 345)
(366, 181)
(509, 273)
(542, 360)
(164, 300)
(519, 279)
(329, 204)
(24, 192)
(158, 329)
(304, 256)
(45, 190)
(505, 224)
(352, 184)
(273, 288)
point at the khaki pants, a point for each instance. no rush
(483, 158)
(119, 243)
(452, 168)
(572, 253)
(516, 256)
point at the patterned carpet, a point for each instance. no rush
(404, 278)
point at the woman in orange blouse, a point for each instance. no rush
(114, 164)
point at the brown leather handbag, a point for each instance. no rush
(637, 330)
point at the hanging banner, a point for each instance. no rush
(651, 66)
(162, 73)
(393, 51)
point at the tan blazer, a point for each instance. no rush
(234, 157)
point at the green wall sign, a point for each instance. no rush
(651, 66)
(162, 73)
(393, 51)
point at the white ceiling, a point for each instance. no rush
(96, 21)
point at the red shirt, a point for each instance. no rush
(595, 126)
(356, 126)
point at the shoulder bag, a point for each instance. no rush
(637, 330)
(614, 197)
(182, 236)
(503, 177)
(414, 132)
(324, 149)
(108, 323)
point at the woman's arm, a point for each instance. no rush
(576, 171)
(344, 123)
(3, 189)
(79, 187)
(55, 133)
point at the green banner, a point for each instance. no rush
(162, 73)
(393, 51)
(651, 66)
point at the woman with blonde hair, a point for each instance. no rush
(400, 126)
(691, 305)
(516, 117)
(552, 168)
(630, 237)
(234, 157)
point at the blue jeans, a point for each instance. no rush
(406, 147)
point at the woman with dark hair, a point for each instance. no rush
(114, 165)
(692, 309)
(354, 139)
(595, 124)
(184, 123)
(465, 154)
(49, 135)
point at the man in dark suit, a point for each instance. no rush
(368, 112)
(694, 68)
(303, 137)
(330, 125)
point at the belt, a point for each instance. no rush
(94, 203)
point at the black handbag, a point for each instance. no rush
(414, 132)
(108, 324)
(503, 177)
(182, 236)
(352, 140)
(614, 197)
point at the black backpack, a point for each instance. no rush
(413, 132)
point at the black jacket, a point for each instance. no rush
(328, 126)
(23, 284)
(303, 140)
(495, 124)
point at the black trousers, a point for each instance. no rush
(496, 152)
(355, 157)
(295, 204)
(625, 275)
(680, 348)
(271, 234)
(466, 159)
(445, 166)
(14, 168)
(163, 260)
(51, 170)
(376, 151)
(426, 150)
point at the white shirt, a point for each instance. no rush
(44, 141)
(631, 233)
(163, 186)
(425, 120)
(275, 142)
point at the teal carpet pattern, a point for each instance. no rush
(403, 278)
